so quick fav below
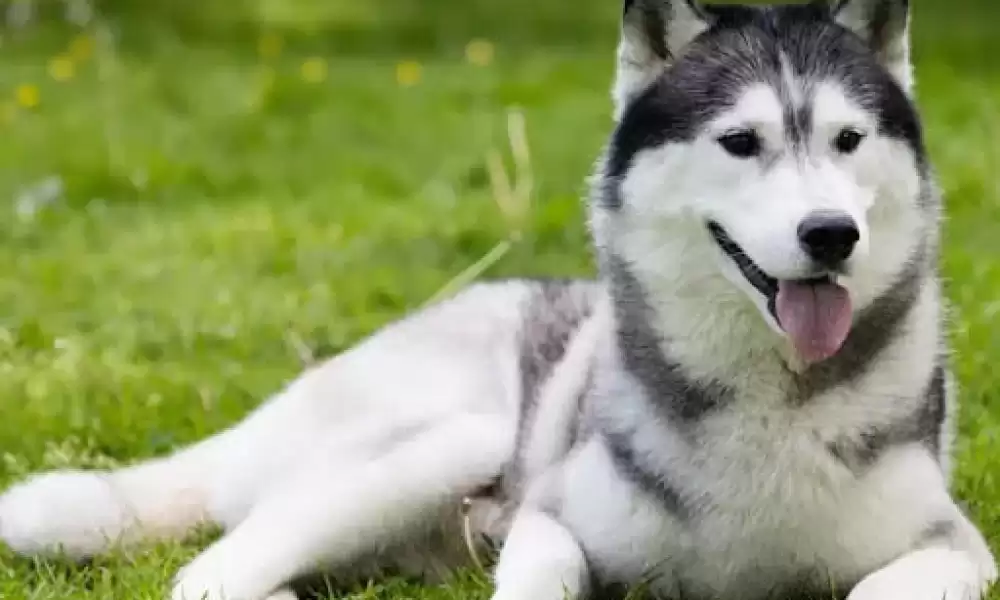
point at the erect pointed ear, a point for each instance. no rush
(885, 26)
(654, 32)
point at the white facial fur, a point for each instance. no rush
(677, 188)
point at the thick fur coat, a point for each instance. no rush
(752, 400)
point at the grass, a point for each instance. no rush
(183, 197)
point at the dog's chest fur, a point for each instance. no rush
(764, 506)
(754, 497)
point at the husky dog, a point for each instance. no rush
(752, 400)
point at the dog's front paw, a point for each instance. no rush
(197, 581)
(931, 574)
(198, 590)
(190, 588)
(221, 572)
(193, 583)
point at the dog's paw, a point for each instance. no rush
(190, 587)
(199, 590)
(220, 574)
(70, 512)
(931, 574)
(194, 585)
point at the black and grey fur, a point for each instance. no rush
(669, 425)
(712, 451)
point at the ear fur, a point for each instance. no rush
(654, 33)
(885, 26)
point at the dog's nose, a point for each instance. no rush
(828, 237)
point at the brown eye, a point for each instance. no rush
(741, 144)
(848, 140)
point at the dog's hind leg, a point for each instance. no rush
(324, 516)
(217, 480)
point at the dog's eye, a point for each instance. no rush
(848, 140)
(741, 144)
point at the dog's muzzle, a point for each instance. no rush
(761, 281)
(815, 312)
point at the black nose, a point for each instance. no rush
(828, 237)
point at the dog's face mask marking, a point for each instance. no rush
(778, 143)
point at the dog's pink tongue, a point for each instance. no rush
(816, 316)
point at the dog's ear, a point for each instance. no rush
(885, 26)
(654, 32)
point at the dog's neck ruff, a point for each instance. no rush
(645, 347)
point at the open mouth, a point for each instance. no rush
(764, 283)
(814, 312)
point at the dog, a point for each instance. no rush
(751, 400)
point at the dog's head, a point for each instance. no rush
(770, 151)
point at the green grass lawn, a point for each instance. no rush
(186, 201)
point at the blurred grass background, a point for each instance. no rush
(194, 194)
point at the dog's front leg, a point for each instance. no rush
(540, 560)
(954, 564)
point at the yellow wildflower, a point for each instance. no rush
(81, 48)
(314, 70)
(62, 68)
(408, 73)
(269, 45)
(27, 95)
(479, 53)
